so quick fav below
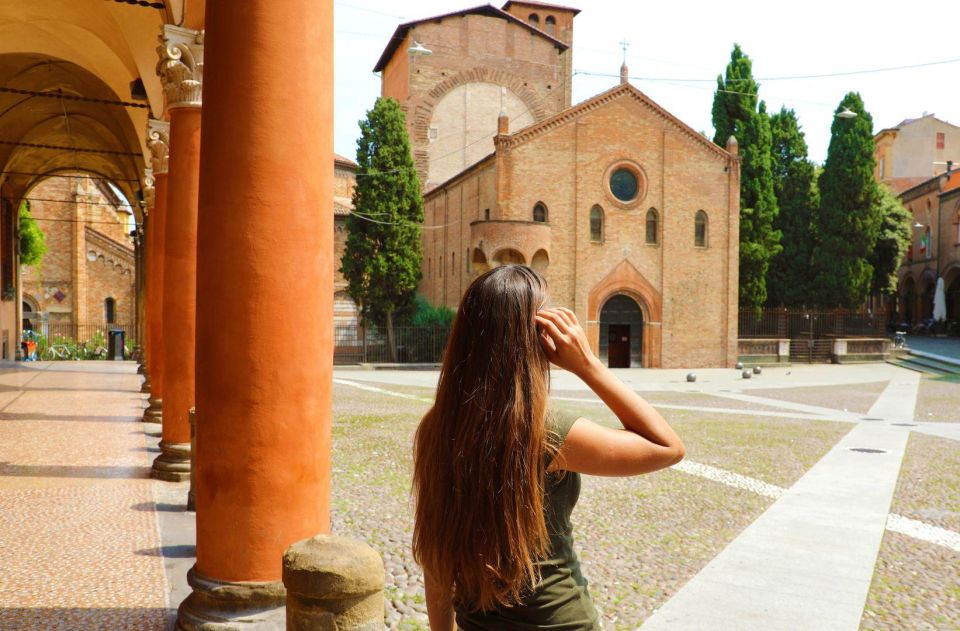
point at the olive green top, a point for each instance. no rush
(560, 600)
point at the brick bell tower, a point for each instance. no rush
(456, 73)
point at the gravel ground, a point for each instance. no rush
(640, 538)
(938, 400)
(916, 584)
(692, 398)
(857, 398)
(774, 450)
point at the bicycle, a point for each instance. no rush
(58, 351)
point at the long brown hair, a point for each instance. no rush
(479, 452)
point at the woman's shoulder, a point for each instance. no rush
(558, 425)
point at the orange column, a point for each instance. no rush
(158, 142)
(265, 246)
(181, 71)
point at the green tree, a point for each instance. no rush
(892, 242)
(736, 96)
(849, 216)
(33, 243)
(794, 186)
(737, 113)
(382, 258)
(759, 240)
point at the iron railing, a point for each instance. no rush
(811, 323)
(73, 340)
(354, 344)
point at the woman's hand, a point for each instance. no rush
(565, 341)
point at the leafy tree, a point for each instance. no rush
(382, 258)
(737, 113)
(736, 96)
(425, 314)
(33, 243)
(892, 242)
(849, 216)
(794, 186)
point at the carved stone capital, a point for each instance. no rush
(149, 192)
(158, 142)
(181, 66)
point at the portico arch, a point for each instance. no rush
(626, 280)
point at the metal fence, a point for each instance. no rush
(811, 323)
(72, 340)
(354, 344)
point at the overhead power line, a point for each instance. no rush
(60, 94)
(141, 3)
(34, 145)
(75, 177)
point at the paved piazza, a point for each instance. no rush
(822, 497)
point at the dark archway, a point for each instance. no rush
(621, 332)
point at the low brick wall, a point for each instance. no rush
(861, 349)
(763, 350)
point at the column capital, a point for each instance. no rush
(149, 192)
(181, 66)
(158, 141)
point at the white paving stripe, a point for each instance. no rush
(738, 411)
(895, 523)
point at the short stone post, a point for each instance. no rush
(333, 584)
(192, 493)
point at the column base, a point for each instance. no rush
(223, 606)
(173, 463)
(145, 386)
(154, 413)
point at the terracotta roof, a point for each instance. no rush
(903, 184)
(344, 161)
(545, 5)
(618, 91)
(486, 9)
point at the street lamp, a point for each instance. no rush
(846, 113)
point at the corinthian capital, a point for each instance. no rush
(181, 66)
(149, 192)
(158, 142)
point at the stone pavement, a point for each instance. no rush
(807, 562)
(79, 547)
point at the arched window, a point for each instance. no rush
(550, 25)
(534, 19)
(539, 212)
(486, 214)
(596, 224)
(653, 227)
(700, 229)
(110, 310)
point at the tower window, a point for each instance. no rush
(550, 25)
(534, 19)
(110, 310)
(941, 140)
(540, 212)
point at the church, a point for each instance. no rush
(631, 215)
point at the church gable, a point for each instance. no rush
(621, 94)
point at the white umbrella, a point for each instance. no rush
(939, 302)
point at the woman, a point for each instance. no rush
(496, 473)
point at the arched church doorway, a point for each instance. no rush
(621, 332)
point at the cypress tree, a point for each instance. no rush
(383, 253)
(849, 216)
(737, 113)
(735, 98)
(892, 242)
(795, 189)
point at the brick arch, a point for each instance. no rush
(424, 110)
(626, 280)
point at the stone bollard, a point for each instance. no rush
(333, 584)
(192, 493)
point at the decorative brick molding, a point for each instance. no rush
(626, 280)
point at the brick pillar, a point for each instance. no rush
(158, 140)
(262, 422)
(181, 72)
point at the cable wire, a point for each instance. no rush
(70, 97)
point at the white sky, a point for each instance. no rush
(693, 39)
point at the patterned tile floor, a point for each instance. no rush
(79, 547)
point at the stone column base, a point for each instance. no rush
(222, 606)
(138, 357)
(192, 493)
(333, 583)
(154, 413)
(145, 386)
(173, 463)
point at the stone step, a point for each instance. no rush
(925, 365)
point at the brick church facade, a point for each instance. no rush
(632, 216)
(87, 276)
